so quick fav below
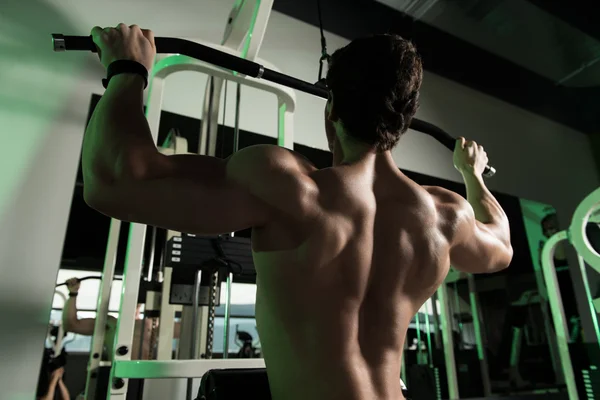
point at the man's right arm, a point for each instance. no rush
(480, 232)
(481, 241)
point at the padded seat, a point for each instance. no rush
(239, 384)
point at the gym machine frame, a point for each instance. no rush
(243, 38)
(576, 236)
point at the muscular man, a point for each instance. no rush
(345, 256)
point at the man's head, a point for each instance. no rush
(374, 87)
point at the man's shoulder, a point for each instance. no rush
(275, 158)
(452, 209)
(445, 197)
(279, 176)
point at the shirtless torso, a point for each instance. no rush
(340, 280)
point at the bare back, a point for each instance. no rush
(340, 280)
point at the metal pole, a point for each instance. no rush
(428, 327)
(447, 332)
(142, 335)
(560, 331)
(236, 131)
(236, 146)
(403, 368)
(227, 317)
(479, 339)
(151, 258)
(418, 327)
(436, 322)
(196, 305)
(98, 339)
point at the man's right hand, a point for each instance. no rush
(469, 157)
(73, 285)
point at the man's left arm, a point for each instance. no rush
(127, 178)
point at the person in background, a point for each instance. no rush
(85, 326)
(55, 381)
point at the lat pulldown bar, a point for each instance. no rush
(219, 58)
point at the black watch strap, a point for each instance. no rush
(125, 67)
(73, 294)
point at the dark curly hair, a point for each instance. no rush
(375, 83)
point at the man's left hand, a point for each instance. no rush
(125, 43)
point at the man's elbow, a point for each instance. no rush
(99, 199)
(71, 326)
(109, 198)
(503, 259)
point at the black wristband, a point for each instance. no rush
(125, 67)
(73, 294)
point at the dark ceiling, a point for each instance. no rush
(541, 55)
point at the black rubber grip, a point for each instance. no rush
(246, 67)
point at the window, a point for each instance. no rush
(241, 293)
(243, 298)
(247, 325)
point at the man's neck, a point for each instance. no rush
(351, 152)
(364, 156)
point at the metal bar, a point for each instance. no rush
(546, 314)
(436, 322)
(479, 337)
(98, 341)
(428, 327)
(577, 230)
(446, 322)
(285, 128)
(589, 307)
(194, 347)
(167, 318)
(236, 131)
(403, 361)
(151, 256)
(140, 349)
(129, 295)
(558, 313)
(226, 328)
(180, 368)
(418, 329)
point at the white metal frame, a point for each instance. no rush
(98, 340)
(58, 345)
(180, 368)
(170, 64)
(576, 235)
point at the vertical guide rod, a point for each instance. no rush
(194, 347)
(236, 146)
